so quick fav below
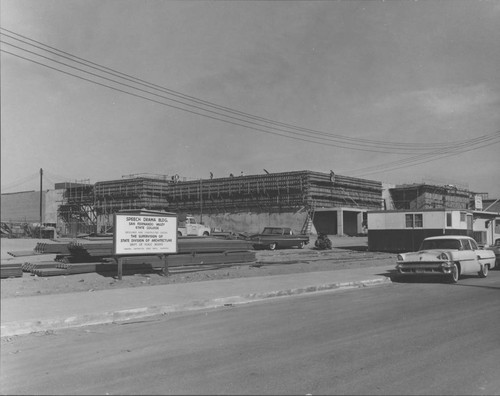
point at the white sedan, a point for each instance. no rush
(449, 255)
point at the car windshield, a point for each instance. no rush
(272, 231)
(441, 244)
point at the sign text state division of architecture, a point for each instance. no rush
(145, 234)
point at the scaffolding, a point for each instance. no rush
(427, 196)
(273, 192)
(78, 211)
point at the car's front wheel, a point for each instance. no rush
(272, 246)
(484, 271)
(301, 245)
(454, 274)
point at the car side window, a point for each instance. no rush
(466, 244)
(474, 245)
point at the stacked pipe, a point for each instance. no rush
(82, 251)
(193, 252)
(11, 270)
(31, 267)
(52, 247)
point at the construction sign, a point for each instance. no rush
(144, 232)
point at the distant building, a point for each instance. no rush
(21, 214)
(427, 196)
(24, 206)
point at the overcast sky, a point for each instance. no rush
(395, 91)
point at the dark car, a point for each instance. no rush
(278, 237)
(496, 249)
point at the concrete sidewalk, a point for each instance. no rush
(23, 315)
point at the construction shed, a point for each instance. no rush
(306, 201)
(404, 231)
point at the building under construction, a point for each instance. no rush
(426, 196)
(306, 201)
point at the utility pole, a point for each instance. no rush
(201, 204)
(41, 209)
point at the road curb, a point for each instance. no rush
(19, 328)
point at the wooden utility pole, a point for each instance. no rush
(41, 207)
(201, 204)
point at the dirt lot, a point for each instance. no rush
(347, 252)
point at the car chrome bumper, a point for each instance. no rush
(424, 268)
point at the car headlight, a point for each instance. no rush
(399, 258)
(443, 256)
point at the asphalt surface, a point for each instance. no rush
(24, 315)
(412, 337)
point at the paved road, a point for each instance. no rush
(401, 338)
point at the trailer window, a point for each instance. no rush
(414, 220)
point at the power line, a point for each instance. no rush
(115, 73)
(325, 142)
(19, 182)
(437, 150)
(375, 145)
(415, 160)
(392, 151)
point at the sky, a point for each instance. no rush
(395, 91)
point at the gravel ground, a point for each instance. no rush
(347, 252)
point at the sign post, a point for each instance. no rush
(120, 267)
(144, 232)
(165, 265)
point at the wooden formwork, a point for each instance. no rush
(427, 196)
(274, 192)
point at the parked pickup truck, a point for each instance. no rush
(496, 249)
(278, 237)
(189, 227)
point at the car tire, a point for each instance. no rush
(454, 274)
(206, 233)
(179, 233)
(301, 245)
(484, 271)
(272, 246)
